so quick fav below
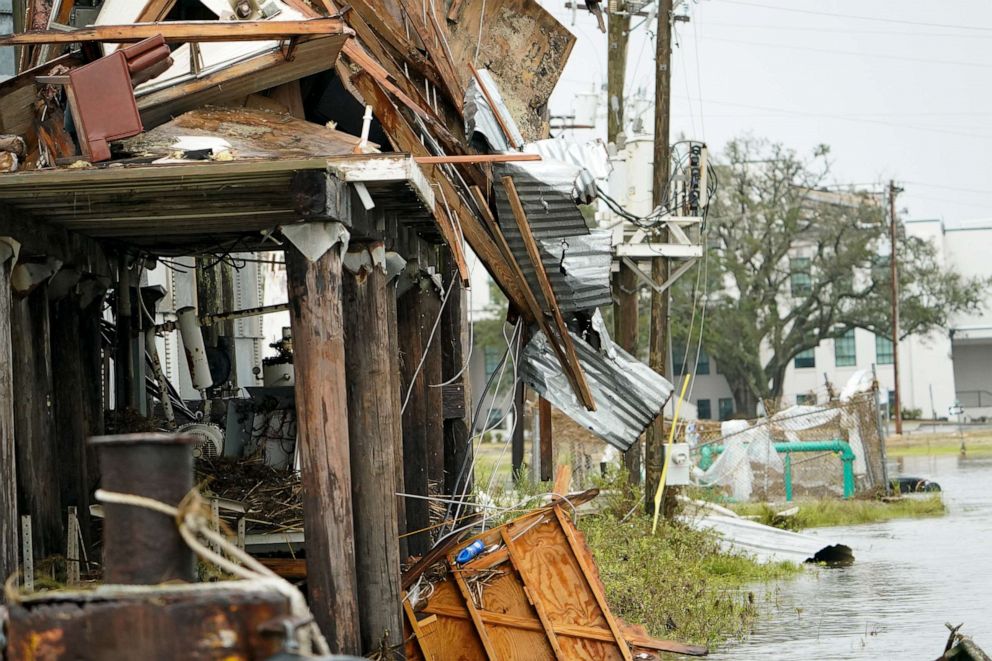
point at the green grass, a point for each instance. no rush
(921, 444)
(678, 583)
(821, 513)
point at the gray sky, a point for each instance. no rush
(906, 95)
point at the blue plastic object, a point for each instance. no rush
(469, 552)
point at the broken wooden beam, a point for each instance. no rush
(570, 363)
(477, 158)
(181, 32)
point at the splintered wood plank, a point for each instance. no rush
(555, 576)
(184, 32)
(403, 136)
(570, 363)
(414, 626)
(534, 598)
(591, 575)
(480, 626)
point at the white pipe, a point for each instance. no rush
(196, 353)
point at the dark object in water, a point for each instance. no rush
(961, 648)
(913, 485)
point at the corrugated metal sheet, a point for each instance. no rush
(547, 190)
(591, 157)
(579, 269)
(764, 543)
(628, 393)
(481, 124)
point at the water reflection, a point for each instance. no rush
(911, 576)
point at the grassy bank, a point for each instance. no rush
(678, 583)
(821, 513)
(920, 444)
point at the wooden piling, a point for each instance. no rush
(9, 520)
(34, 424)
(456, 395)
(69, 399)
(396, 381)
(547, 450)
(423, 438)
(373, 426)
(322, 433)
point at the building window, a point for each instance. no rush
(883, 350)
(680, 364)
(809, 399)
(801, 278)
(726, 407)
(703, 411)
(890, 406)
(845, 353)
(805, 359)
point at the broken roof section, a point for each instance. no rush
(413, 64)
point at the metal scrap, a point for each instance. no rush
(629, 394)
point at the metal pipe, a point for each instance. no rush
(788, 477)
(151, 346)
(141, 546)
(196, 352)
(836, 445)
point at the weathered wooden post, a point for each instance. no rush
(396, 380)
(34, 423)
(9, 520)
(70, 393)
(423, 433)
(457, 397)
(322, 432)
(373, 426)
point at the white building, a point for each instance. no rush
(948, 366)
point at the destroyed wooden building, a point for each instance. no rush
(372, 146)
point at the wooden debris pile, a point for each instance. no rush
(533, 592)
(271, 497)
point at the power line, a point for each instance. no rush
(806, 28)
(953, 188)
(831, 51)
(877, 19)
(800, 113)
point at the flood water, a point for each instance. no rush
(909, 578)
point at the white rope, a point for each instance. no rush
(192, 523)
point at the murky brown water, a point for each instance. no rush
(910, 577)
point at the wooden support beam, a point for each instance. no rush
(423, 430)
(9, 520)
(373, 423)
(454, 352)
(547, 448)
(322, 432)
(569, 359)
(69, 406)
(181, 32)
(396, 383)
(519, 428)
(34, 425)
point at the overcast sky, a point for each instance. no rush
(898, 88)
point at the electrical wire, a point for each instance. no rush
(877, 19)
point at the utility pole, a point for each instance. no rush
(654, 455)
(625, 285)
(893, 191)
